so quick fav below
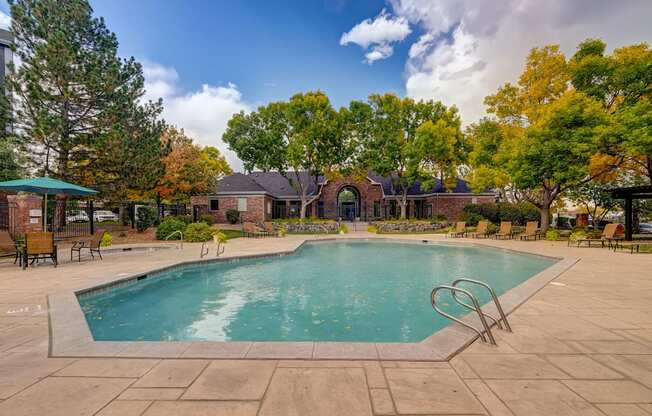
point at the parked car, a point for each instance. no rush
(77, 216)
(645, 228)
(103, 215)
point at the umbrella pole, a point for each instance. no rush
(45, 215)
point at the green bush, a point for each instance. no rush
(146, 218)
(577, 235)
(207, 218)
(168, 226)
(343, 229)
(187, 219)
(372, 229)
(198, 232)
(233, 216)
(471, 218)
(552, 235)
(519, 213)
(107, 240)
(440, 218)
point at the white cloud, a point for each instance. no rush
(203, 113)
(5, 21)
(491, 39)
(377, 35)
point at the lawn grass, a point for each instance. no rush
(231, 234)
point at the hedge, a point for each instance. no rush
(519, 213)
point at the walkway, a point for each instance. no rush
(581, 346)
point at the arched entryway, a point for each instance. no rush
(348, 203)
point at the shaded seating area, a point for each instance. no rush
(39, 246)
(92, 244)
(629, 194)
(531, 231)
(505, 231)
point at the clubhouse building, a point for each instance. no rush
(266, 196)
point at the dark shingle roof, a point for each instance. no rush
(279, 186)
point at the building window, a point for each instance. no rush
(376, 209)
(428, 213)
(474, 200)
(214, 204)
(269, 207)
(320, 209)
(242, 204)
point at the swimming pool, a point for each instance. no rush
(327, 291)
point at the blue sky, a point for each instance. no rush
(269, 49)
(208, 59)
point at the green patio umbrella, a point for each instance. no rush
(46, 185)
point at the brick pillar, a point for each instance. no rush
(23, 216)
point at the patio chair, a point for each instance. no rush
(8, 247)
(459, 231)
(481, 231)
(269, 228)
(252, 230)
(94, 245)
(39, 246)
(531, 231)
(609, 236)
(505, 230)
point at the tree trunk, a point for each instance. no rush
(545, 218)
(302, 212)
(403, 203)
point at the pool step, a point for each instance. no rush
(455, 290)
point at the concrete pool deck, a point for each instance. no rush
(582, 345)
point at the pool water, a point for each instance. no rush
(328, 291)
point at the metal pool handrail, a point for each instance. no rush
(491, 291)
(174, 233)
(476, 307)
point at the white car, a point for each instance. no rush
(77, 216)
(103, 215)
(645, 228)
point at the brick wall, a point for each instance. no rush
(453, 205)
(256, 209)
(368, 194)
(20, 215)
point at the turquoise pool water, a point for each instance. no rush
(330, 291)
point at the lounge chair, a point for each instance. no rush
(8, 248)
(608, 236)
(460, 230)
(252, 230)
(39, 246)
(481, 231)
(531, 231)
(505, 230)
(269, 228)
(93, 245)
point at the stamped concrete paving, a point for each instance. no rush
(581, 346)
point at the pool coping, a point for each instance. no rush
(70, 335)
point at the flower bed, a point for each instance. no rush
(307, 227)
(407, 226)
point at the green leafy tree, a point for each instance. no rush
(390, 147)
(595, 198)
(547, 133)
(304, 134)
(77, 104)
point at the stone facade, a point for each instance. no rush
(369, 199)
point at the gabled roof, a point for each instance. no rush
(277, 185)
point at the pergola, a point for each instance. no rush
(629, 194)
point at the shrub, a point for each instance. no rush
(552, 235)
(198, 232)
(107, 240)
(146, 218)
(207, 218)
(577, 235)
(233, 216)
(504, 211)
(440, 218)
(187, 219)
(372, 229)
(343, 229)
(168, 226)
(471, 218)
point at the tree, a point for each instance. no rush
(622, 82)
(77, 104)
(548, 129)
(389, 148)
(189, 169)
(301, 139)
(595, 198)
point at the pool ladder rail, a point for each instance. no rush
(474, 306)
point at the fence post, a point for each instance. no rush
(91, 215)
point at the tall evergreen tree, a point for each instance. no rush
(77, 105)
